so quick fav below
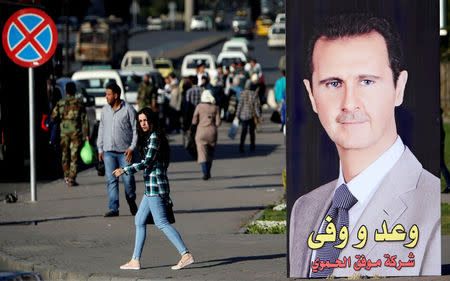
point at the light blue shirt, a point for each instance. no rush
(117, 129)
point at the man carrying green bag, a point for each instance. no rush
(71, 115)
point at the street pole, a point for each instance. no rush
(66, 39)
(188, 11)
(32, 135)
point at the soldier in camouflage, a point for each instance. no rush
(71, 115)
(146, 94)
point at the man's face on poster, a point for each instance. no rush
(353, 91)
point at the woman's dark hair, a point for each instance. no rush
(154, 125)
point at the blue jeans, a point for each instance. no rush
(114, 160)
(155, 206)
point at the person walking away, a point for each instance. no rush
(207, 119)
(248, 108)
(117, 138)
(70, 113)
(193, 96)
(146, 94)
(153, 147)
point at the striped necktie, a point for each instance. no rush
(343, 200)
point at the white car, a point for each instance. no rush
(95, 82)
(200, 23)
(281, 18)
(131, 80)
(235, 45)
(277, 35)
(155, 24)
(190, 62)
(138, 60)
(227, 57)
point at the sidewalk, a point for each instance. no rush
(65, 236)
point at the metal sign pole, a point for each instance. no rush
(32, 135)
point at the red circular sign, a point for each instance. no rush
(29, 37)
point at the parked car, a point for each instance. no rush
(132, 78)
(191, 61)
(227, 57)
(235, 45)
(277, 35)
(137, 60)
(88, 100)
(281, 18)
(200, 23)
(164, 66)
(95, 82)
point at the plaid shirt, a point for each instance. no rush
(194, 94)
(155, 172)
(244, 111)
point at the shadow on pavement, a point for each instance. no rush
(223, 177)
(218, 210)
(214, 210)
(223, 151)
(254, 186)
(225, 261)
(35, 222)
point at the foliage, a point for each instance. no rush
(445, 219)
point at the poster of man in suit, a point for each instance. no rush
(363, 100)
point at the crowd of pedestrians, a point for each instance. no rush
(128, 142)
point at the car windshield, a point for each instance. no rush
(233, 48)
(93, 37)
(192, 63)
(279, 30)
(131, 82)
(96, 86)
(228, 61)
(162, 65)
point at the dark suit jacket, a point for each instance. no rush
(407, 195)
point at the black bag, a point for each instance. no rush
(100, 166)
(276, 117)
(189, 141)
(169, 211)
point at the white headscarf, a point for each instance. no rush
(207, 97)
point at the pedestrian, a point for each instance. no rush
(153, 147)
(116, 142)
(207, 119)
(248, 112)
(193, 96)
(146, 94)
(70, 113)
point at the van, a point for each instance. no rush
(190, 62)
(137, 60)
(95, 82)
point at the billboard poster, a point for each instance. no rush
(363, 138)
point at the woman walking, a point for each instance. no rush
(207, 118)
(153, 147)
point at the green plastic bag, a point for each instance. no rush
(87, 153)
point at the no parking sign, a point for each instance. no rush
(30, 38)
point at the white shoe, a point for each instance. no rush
(132, 264)
(185, 260)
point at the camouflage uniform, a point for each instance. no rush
(146, 95)
(71, 115)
